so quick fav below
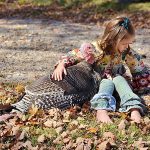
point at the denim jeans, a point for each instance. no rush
(104, 99)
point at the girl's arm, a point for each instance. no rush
(134, 61)
(71, 58)
(140, 72)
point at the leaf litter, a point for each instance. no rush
(75, 128)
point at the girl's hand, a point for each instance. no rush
(58, 72)
(109, 77)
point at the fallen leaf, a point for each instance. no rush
(80, 146)
(80, 119)
(53, 112)
(17, 135)
(27, 129)
(57, 124)
(132, 134)
(146, 129)
(82, 126)
(24, 118)
(65, 121)
(124, 115)
(89, 143)
(20, 88)
(32, 111)
(79, 139)
(140, 143)
(58, 140)
(69, 145)
(29, 146)
(5, 117)
(66, 140)
(74, 122)
(92, 130)
(59, 130)
(147, 120)
(122, 125)
(12, 121)
(66, 115)
(104, 146)
(5, 131)
(64, 134)
(2, 92)
(86, 106)
(87, 147)
(73, 111)
(74, 131)
(8, 101)
(17, 146)
(15, 129)
(48, 123)
(144, 148)
(73, 125)
(110, 135)
(54, 124)
(41, 138)
(22, 135)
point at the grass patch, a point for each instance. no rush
(35, 131)
(35, 2)
(139, 6)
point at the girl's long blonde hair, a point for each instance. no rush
(115, 31)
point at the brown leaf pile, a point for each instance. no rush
(74, 129)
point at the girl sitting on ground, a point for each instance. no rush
(114, 51)
(74, 83)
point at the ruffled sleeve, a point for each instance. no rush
(76, 55)
(71, 58)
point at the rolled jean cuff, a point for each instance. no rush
(103, 101)
(128, 97)
(133, 103)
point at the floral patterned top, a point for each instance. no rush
(103, 64)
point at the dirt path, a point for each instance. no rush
(30, 48)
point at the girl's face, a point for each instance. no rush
(124, 44)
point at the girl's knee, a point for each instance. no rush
(107, 81)
(106, 86)
(119, 78)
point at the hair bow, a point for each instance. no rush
(125, 23)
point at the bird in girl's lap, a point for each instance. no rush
(47, 93)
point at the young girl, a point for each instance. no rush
(114, 50)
